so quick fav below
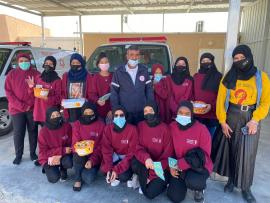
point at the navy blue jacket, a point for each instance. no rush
(132, 97)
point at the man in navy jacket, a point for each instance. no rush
(131, 87)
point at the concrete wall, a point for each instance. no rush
(255, 32)
(181, 44)
(12, 29)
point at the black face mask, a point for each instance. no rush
(243, 65)
(88, 119)
(151, 119)
(56, 122)
(75, 67)
(48, 68)
(180, 69)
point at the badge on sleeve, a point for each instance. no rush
(142, 78)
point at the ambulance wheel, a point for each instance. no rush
(5, 119)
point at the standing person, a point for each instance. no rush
(21, 104)
(243, 101)
(192, 146)
(178, 86)
(118, 148)
(205, 89)
(131, 86)
(155, 144)
(50, 80)
(160, 93)
(54, 141)
(101, 86)
(87, 128)
(75, 84)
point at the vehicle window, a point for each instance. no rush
(155, 54)
(115, 54)
(13, 63)
(4, 54)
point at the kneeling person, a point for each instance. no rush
(54, 143)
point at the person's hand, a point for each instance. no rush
(174, 172)
(56, 160)
(113, 176)
(101, 102)
(252, 127)
(109, 115)
(108, 176)
(68, 150)
(88, 164)
(226, 130)
(30, 81)
(149, 164)
(28, 108)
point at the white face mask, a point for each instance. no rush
(104, 67)
(133, 63)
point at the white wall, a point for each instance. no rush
(255, 32)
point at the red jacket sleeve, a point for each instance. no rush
(141, 154)
(55, 94)
(10, 94)
(107, 151)
(161, 90)
(96, 157)
(43, 148)
(76, 137)
(89, 82)
(69, 140)
(124, 165)
(93, 93)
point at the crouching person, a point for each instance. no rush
(87, 129)
(54, 143)
(155, 144)
(118, 148)
(192, 145)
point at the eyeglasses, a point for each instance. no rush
(119, 115)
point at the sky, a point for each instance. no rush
(184, 22)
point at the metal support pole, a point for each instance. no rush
(163, 21)
(122, 23)
(81, 35)
(42, 32)
(232, 32)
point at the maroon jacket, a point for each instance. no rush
(101, 86)
(94, 132)
(53, 142)
(185, 140)
(123, 143)
(20, 98)
(175, 93)
(54, 98)
(65, 90)
(208, 97)
(154, 143)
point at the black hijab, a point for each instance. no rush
(55, 123)
(241, 70)
(189, 105)
(212, 75)
(88, 119)
(152, 120)
(116, 128)
(180, 73)
(49, 74)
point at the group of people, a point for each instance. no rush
(145, 122)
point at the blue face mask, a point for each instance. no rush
(158, 77)
(24, 65)
(119, 121)
(133, 63)
(183, 120)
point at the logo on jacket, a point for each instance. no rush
(124, 141)
(142, 78)
(156, 140)
(93, 134)
(185, 84)
(65, 137)
(192, 142)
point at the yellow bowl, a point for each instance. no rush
(41, 92)
(84, 148)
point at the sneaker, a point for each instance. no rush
(63, 175)
(134, 182)
(248, 196)
(17, 160)
(115, 183)
(199, 196)
(37, 163)
(140, 191)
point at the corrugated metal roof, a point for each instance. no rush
(103, 7)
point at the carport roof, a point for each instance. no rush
(109, 7)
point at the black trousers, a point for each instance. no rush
(20, 122)
(81, 173)
(155, 187)
(53, 172)
(189, 180)
(135, 117)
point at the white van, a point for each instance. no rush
(8, 53)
